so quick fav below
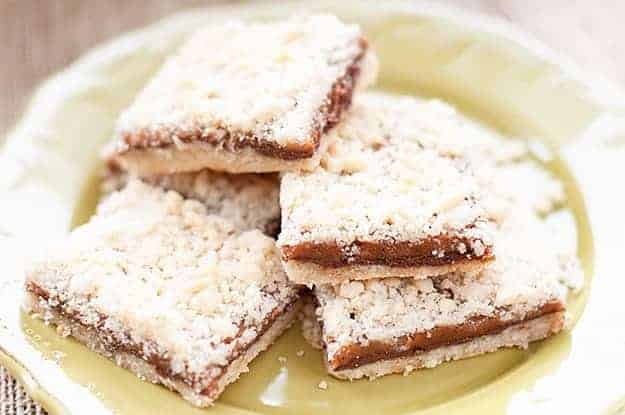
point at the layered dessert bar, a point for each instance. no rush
(381, 326)
(246, 97)
(248, 201)
(177, 296)
(395, 195)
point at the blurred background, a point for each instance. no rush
(40, 37)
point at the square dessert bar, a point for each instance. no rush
(377, 327)
(248, 201)
(395, 195)
(175, 295)
(246, 97)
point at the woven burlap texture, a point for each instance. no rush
(13, 398)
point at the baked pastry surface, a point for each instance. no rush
(261, 99)
(178, 296)
(380, 326)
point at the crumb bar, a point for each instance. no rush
(179, 297)
(248, 201)
(395, 195)
(377, 327)
(246, 97)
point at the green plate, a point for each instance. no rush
(488, 70)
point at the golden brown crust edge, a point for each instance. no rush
(310, 274)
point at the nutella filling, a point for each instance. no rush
(355, 355)
(437, 251)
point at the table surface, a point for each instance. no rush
(39, 38)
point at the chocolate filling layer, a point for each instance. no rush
(337, 101)
(162, 364)
(442, 250)
(356, 355)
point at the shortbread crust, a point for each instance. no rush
(211, 297)
(259, 101)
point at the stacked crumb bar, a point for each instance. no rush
(406, 235)
(421, 236)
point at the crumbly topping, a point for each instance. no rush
(506, 171)
(268, 79)
(526, 274)
(523, 182)
(248, 201)
(398, 169)
(563, 231)
(402, 169)
(156, 270)
(323, 385)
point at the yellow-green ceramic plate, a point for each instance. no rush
(488, 70)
